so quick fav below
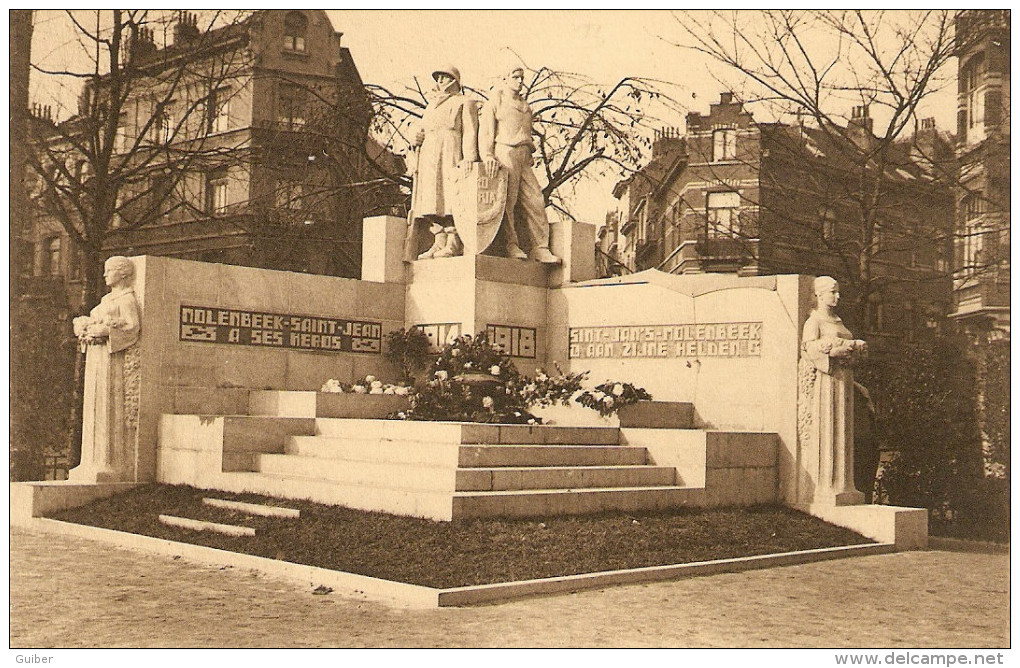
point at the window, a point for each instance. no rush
(971, 120)
(876, 316)
(724, 145)
(24, 256)
(295, 29)
(122, 142)
(292, 106)
(51, 257)
(160, 193)
(216, 192)
(290, 195)
(219, 110)
(827, 220)
(973, 249)
(973, 206)
(723, 210)
(77, 260)
(165, 126)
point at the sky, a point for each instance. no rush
(392, 47)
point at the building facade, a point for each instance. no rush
(245, 144)
(981, 285)
(733, 195)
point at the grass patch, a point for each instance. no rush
(467, 552)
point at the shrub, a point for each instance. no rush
(408, 349)
(926, 400)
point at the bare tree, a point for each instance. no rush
(144, 121)
(809, 68)
(583, 129)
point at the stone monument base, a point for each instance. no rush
(35, 499)
(906, 527)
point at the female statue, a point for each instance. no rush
(110, 413)
(448, 139)
(826, 400)
(504, 140)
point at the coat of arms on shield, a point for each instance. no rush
(479, 206)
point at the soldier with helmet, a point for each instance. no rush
(447, 140)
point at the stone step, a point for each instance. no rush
(324, 447)
(487, 456)
(560, 477)
(200, 525)
(253, 508)
(465, 433)
(550, 502)
(408, 502)
(412, 475)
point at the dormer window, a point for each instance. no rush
(295, 29)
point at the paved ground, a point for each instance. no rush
(68, 592)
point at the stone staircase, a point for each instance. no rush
(446, 470)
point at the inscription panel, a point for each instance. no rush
(440, 334)
(202, 324)
(731, 339)
(516, 341)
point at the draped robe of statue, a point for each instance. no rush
(110, 408)
(826, 408)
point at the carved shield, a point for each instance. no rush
(479, 206)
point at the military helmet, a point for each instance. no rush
(448, 70)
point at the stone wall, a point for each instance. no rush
(214, 378)
(727, 344)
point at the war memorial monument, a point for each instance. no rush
(208, 375)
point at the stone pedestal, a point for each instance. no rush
(574, 244)
(476, 293)
(382, 249)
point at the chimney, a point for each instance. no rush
(929, 149)
(860, 118)
(667, 140)
(186, 29)
(859, 129)
(726, 98)
(141, 44)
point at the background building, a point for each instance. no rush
(244, 144)
(981, 286)
(734, 195)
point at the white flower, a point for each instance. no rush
(442, 375)
(494, 369)
(599, 395)
(370, 380)
(359, 389)
(541, 377)
(376, 390)
(332, 385)
(400, 390)
(374, 383)
(402, 415)
(618, 389)
(608, 401)
(389, 389)
(467, 365)
(454, 353)
(530, 387)
(487, 402)
(531, 421)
